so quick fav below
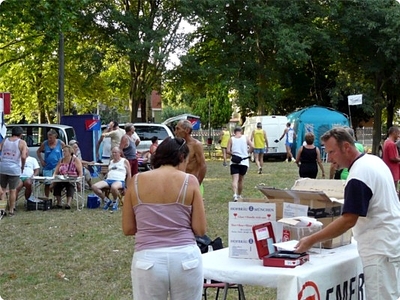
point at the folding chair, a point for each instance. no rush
(121, 194)
(224, 286)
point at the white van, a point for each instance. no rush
(274, 127)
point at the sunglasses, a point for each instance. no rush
(180, 142)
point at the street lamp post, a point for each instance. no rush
(60, 102)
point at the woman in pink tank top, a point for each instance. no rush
(68, 166)
(164, 209)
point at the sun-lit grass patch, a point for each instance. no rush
(61, 254)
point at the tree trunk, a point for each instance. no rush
(376, 134)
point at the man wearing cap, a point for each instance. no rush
(13, 156)
(259, 139)
(78, 154)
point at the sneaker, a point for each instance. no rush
(114, 207)
(235, 198)
(260, 170)
(107, 203)
(224, 164)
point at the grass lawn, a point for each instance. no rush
(60, 254)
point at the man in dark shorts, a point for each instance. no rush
(239, 145)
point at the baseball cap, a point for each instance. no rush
(73, 142)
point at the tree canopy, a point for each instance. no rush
(248, 57)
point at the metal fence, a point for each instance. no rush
(364, 136)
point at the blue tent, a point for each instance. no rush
(315, 119)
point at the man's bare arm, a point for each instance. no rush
(201, 160)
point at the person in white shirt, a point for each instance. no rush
(115, 134)
(13, 156)
(31, 169)
(239, 145)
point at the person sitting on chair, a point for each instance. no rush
(69, 165)
(119, 171)
(31, 169)
(78, 154)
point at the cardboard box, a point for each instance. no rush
(318, 198)
(342, 240)
(264, 237)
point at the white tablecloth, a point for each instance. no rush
(328, 273)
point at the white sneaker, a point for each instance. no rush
(235, 198)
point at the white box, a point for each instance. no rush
(242, 217)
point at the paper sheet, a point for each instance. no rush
(288, 246)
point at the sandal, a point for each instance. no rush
(67, 206)
(11, 214)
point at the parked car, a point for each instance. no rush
(146, 131)
(36, 134)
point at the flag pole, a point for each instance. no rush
(351, 124)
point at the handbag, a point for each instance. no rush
(203, 242)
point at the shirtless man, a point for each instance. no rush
(197, 163)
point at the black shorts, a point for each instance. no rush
(238, 169)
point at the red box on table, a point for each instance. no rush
(264, 238)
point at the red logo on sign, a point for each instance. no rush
(309, 291)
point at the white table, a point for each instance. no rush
(327, 273)
(79, 195)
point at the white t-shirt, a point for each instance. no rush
(378, 232)
(31, 164)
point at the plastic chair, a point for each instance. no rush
(223, 286)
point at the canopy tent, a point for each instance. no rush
(315, 119)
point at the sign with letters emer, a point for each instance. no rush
(242, 217)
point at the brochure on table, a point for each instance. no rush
(242, 217)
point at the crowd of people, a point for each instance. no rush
(58, 160)
(164, 207)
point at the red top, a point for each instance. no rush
(390, 151)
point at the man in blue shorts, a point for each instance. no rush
(290, 136)
(119, 171)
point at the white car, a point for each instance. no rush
(146, 131)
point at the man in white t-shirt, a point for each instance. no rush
(115, 134)
(31, 169)
(372, 209)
